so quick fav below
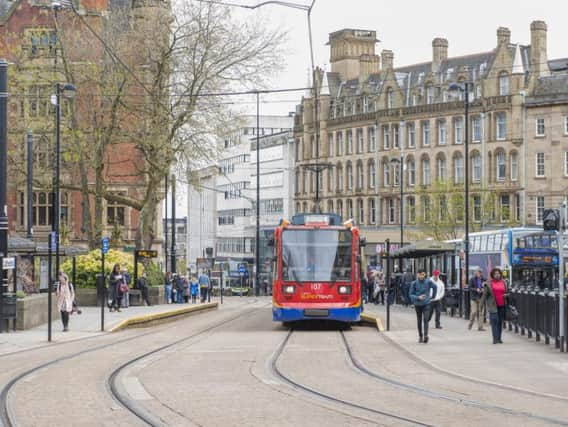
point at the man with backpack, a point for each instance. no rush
(203, 286)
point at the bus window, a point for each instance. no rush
(483, 246)
(491, 243)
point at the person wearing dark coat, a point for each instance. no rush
(143, 286)
(114, 293)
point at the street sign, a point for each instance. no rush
(146, 254)
(8, 263)
(104, 245)
(52, 240)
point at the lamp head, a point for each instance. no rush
(69, 91)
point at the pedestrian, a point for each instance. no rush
(168, 287)
(180, 290)
(143, 286)
(436, 302)
(406, 280)
(475, 294)
(265, 286)
(114, 293)
(379, 289)
(194, 289)
(419, 293)
(186, 289)
(65, 297)
(203, 285)
(364, 288)
(125, 302)
(494, 294)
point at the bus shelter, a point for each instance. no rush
(431, 255)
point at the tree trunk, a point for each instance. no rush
(145, 234)
(87, 226)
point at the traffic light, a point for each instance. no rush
(551, 219)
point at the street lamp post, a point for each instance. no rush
(3, 174)
(464, 88)
(68, 91)
(396, 162)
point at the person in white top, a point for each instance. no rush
(436, 301)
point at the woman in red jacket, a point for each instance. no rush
(494, 293)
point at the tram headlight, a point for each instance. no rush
(288, 289)
(344, 290)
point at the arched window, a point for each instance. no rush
(372, 178)
(426, 171)
(304, 181)
(360, 175)
(339, 173)
(330, 180)
(411, 172)
(349, 176)
(340, 208)
(297, 182)
(503, 83)
(501, 165)
(386, 173)
(330, 146)
(442, 168)
(475, 167)
(458, 169)
(330, 206)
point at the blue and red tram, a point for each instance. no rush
(317, 272)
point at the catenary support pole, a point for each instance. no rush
(3, 176)
(388, 284)
(257, 247)
(30, 167)
(173, 228)
(561, 331)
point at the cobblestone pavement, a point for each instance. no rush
(223, 376)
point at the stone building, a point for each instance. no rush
(373, 113)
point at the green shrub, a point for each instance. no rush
(154, 275)
(20, 294)
(89, 266)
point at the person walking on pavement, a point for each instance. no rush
(65, 297)
(379, 288)
(125, 302)
(203, 286)
(194, 289)
(405, 281)
(475, 294)
(180, 290)
(494, 294)
(168, 287)
(143, 286)
(115, 280)
(436, 302)
(420, 291)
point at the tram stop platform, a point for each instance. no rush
(519, 364)
(88, 324)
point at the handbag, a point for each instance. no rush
(511, 313)
(123, 288)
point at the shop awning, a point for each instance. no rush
(18, 245)
(423, 248)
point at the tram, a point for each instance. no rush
(317, 271)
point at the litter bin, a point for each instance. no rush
(101, 289)
(452, 299)
(9, 302)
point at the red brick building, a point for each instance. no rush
(29, 41)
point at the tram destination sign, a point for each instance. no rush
(143, 253)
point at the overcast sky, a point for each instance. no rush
(405, 27)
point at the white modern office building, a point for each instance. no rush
(236, 184)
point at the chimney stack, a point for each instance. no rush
(503, 36)
(439, 53)
(387, 59)
(539, 55)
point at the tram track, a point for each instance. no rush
(312, 391)
(139, 411)
(7, 417)
(441, 396)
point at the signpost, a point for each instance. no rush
(242, 272)
(104, 251)
(144, 254)
(8, 263)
